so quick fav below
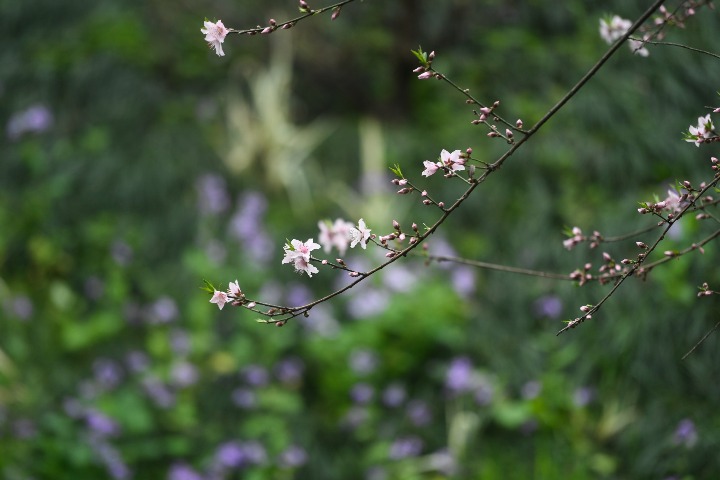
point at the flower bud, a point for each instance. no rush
(642, 245)
(519, 123)
(425, 75)
(396, 225)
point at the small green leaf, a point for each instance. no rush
(421, 56)
(207, 286)
(396, 170)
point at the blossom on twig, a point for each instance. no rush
(215, 35)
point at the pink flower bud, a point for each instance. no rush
(469, 151)
(431, 56)
(396, 225)
(419, 70)
(426, 75)
(423, 193)
(642, 245)
(669, 253)
(585, 309)
(426, 202)
(251, 305)
(390, 254)
(606, 256)
(486, 110)
(335, 14)
(508, 133)
(519, 123)
(267, 30)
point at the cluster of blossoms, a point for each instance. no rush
(615, 27)
(335, 235)
(233, 294)
(703, 131)
(215, 34)
(298, 253)
(450, 162)
(339, 235)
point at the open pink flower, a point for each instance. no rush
(219, 298)
(430, 168)
(234, 289)
(703, 130)
(334, 235)
(215, 35)
(360, 235)
(302, 265)
(453, 161)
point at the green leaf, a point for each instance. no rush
(397, 171)
(420, 55)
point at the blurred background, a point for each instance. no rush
(134, 163)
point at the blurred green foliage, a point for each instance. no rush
(135, 163)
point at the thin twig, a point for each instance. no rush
(701, 341)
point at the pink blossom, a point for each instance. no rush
(215, 35)
(234, 289)
(334, 235)
(430, 168)
(703, 130)
(613, 29)
(298, 249)
(302, 265)
(452, 160)
(219, 298)
(361, 235)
